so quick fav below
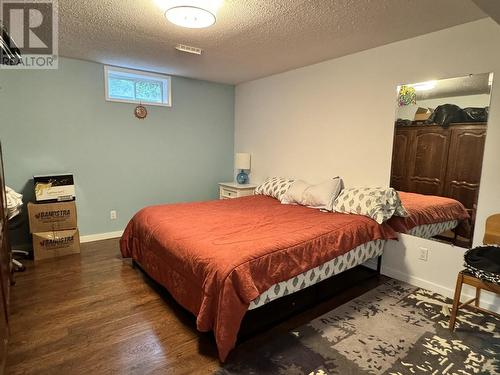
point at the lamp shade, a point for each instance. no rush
(242, 160)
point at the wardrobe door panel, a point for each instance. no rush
(400, 157)
(464, 164)
(428, 161)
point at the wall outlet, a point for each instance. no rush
(424, 254)
(112, 215)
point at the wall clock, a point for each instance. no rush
(140, 112)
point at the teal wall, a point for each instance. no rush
(57, 121)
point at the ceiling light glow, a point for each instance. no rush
(190, 13)
(424, 86)
(190, 16)
(210, 5)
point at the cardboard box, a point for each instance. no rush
(423, 114)
(44, 217)
(54, 188)
(56, 244)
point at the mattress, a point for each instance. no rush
(216, 257)
(353, 258)
(428, 214)
(431, 230)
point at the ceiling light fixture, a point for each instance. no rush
(190, 16)
(424, 86)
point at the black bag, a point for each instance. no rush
(476, 114)
(484, 262)
(447, 114)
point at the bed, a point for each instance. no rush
(429, 215)
(219, 259)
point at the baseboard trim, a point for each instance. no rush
(100, 236)
(441, 289)
(417, 281)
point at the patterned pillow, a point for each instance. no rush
(275, 187)
(400, 209)
(378, 203)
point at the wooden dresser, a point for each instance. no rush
(430, 159)
(5, 271)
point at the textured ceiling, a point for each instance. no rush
(251, 38)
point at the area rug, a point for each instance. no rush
(395, 328)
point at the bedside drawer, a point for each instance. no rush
(228, 193)
(231, 190)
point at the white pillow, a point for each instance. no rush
(295, 192)
(320, 196)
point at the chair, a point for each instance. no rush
(492, 232)
(491, 237)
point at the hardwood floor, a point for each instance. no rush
(93, 313)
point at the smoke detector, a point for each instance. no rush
(189, 49)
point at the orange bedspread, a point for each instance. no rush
(216, 257)
(427, 209)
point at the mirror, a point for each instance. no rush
(438, 146)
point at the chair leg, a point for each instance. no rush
(478, 296)
(456, 301)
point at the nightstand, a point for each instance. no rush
(230, 190)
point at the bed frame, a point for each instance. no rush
(280, 309)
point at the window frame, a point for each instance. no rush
(163, 78)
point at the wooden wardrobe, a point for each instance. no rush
(434, 160)
(5, 271)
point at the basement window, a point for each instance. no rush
(135, 86)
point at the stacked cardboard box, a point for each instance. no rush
(54, 229)
(423, 114)
(54, 188)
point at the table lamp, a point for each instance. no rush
(242, 162)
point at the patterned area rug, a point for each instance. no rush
(394, 329)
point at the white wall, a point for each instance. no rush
(408, 111)
(337, 118)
